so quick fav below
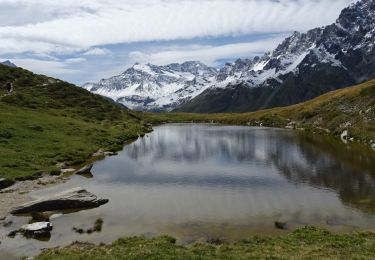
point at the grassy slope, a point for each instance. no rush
(351, 109)
(47, 121)
(305, 243)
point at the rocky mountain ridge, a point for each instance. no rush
(303, 66)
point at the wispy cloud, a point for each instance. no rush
(75, 60)
(89, 39)
(206, 53)
(79, 25)
(48, 67)
(97, 52)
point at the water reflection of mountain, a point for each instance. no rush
(349, 171)
(310, 161)
(200, 143)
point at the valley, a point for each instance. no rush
(192, 138)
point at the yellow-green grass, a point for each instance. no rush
(33, 142)
(304, 243)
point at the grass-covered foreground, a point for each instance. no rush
(351, 109)
(46, 122)
(305, 243)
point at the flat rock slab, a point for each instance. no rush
(37, 230)
(38, 226)
(77, 198)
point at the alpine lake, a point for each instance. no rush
(199, 181)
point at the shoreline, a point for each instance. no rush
(18, 193)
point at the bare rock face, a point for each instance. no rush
(77, 198)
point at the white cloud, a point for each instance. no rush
(89, 39)
(205, 53)
(79, 25)
(48, 67)
(75, 60)
(97, 52)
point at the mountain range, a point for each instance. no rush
(303, 66)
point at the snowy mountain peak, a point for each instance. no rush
(344, 49)
(152, 87)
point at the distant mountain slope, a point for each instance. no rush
(304, 66)
(47, 123)
(8, 63)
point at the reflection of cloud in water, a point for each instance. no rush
(236, 158)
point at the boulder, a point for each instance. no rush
(4, 183)
(77, 198)
(37, 230)
(85, 170)
(100, 152)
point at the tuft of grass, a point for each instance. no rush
(303, 243)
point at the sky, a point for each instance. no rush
(87, 40)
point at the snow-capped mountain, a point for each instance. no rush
(353, 30)
(156, 88)
(302, 67)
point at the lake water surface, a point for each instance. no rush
(197, 182)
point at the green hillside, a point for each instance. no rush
(47, 121)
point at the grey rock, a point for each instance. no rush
(37, 230)
(77, 198)
(85, 170)
(344, 136)
(4, 183)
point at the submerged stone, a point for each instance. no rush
(281, 225)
